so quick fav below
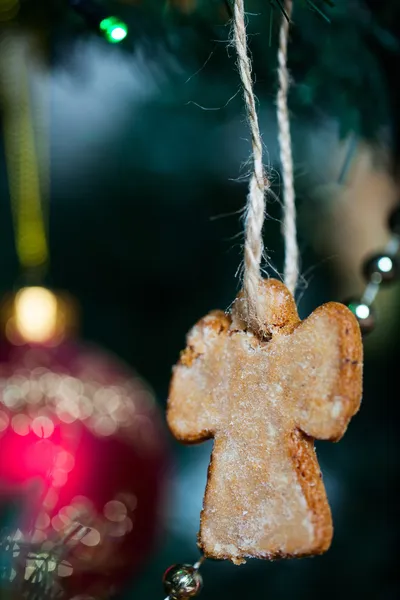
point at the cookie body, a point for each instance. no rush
(264, 401)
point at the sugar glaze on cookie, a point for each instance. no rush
(264, 400)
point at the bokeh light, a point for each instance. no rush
(42, 521)
(65, 569)
(115, 511)
(113, 29)
(43, 427)
(362, 311)
(36, 314)
(92, 538)
(385, 264)
(21, 424)
(64, 461)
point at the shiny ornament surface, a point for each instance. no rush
(83, 466)
(381, 269)
(182, 581)
(365, 314)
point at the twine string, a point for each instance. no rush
(291, 267)
(259, 183)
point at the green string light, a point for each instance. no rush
(113, 29)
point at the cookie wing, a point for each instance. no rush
(326, 371)
(192, 409)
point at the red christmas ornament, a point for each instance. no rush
(83, 455)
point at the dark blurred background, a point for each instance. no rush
(148, 145)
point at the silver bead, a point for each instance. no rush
(364, 314)
(381, 268)
(182, 581)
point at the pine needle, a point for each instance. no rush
(282, 9)
(279, 4)
(319, 11)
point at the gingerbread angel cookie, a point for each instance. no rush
(264, 400)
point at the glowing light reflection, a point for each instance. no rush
(59, 478)
(115, 511)
(71, 385)
(67, 515)
(57, 524)
(106, 408)
(385, 264)
(67, 410)
(21, 424)
(64, 461)
(104, 426)
(92, 538)
(49, 383)
(65, 569)
(85, 408)
(42, 521)
(121, 529)
(36, 314)
(363, 311)
(43, 427)
(51, 499)
(12, 396)
(82, 503)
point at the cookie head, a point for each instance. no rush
(279, 309)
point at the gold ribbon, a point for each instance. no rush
(21, 154)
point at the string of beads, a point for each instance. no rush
(380, 269)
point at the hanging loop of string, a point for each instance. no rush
(291, 268)
(259, 183)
